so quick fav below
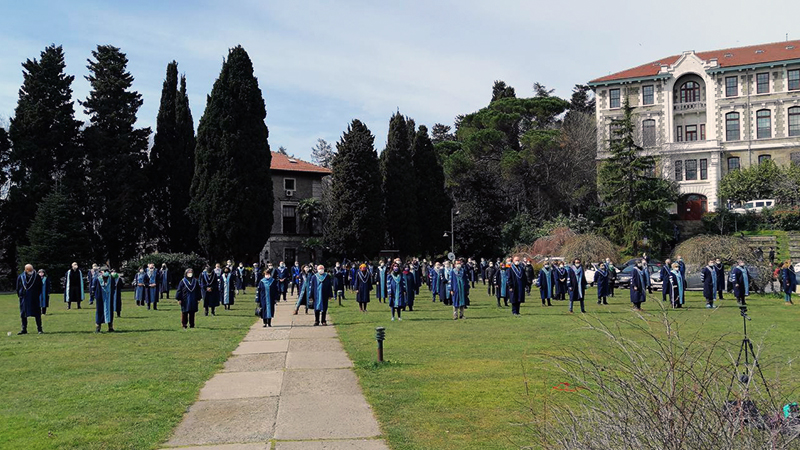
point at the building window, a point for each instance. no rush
(794, 121)
(731, 86)
(613, 95)
(679, 136)
(691, 133)
(762, 83)
(703, 169)
(690, 92)
(649, 133)
(647, 95)
(762, 158)
(732, 126)
(702, 132)
(289, 219)
(289, 256)
(289, 184)
(794, 80)
(764, 124)
(691, 169)
(678, 170)
(733, 163)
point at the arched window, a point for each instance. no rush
(690, 92)
(732, 126)
(794, 121)
(764, 124)
(649, 133)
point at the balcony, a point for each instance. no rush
(689, 107)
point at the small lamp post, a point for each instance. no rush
(380, 335)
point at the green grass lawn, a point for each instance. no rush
(73, 389)
(459, 384)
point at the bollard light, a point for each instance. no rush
(380, 336)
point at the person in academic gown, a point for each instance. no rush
(501, 281)
(304, 293)
(363, 287)
(459, 289)
(240, 281)
(209, 283)
(448, 275)
(151, 282)
(788, 281)
(529, 276)
(188, 295)
(227, 288)
(517, 284)
(665, 281)
(380, 275)
(105, 296)
(720, 269)
(546, 283)
(163, 281)
(411, 283)
(676, 286)
(91, 279)
(140, 287)
(73, 291)
(321, 288)
(601, 280)
(442, 280)
(681, 266)
(741, 283)
(576, 285)
(283, 278)
(612, 276)
(561, 275)
(296, 277)
(433, 282)
(44, 298)
(708, 276)
(117, 292)
(490, 275)
(638, 285)
(29, 291)
(267, 295)
(396, 291)
(256, 275)
(339, 275)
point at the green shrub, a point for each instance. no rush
(177, 263)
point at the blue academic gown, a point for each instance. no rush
(601, 281)
(228, 289)
(638, 286)
(267, 294)
(576, 282)
(501, 278)
(380, 283)
(105, 296)
(561, 276)
(209, 280)
(460, 287)
(665, 282)
(546, 283)
(140, 292)
(396, 290)
(363, 286)
(189, 294)
(433, 283)
(29, 290)
(741, 282)
(282, 274)
(708, 276)
(163, 278)
(682, 269)
(321, 289)
(151, 277)
(789, 280)
(44, 298)
(93, 275)
(517, 281)
(411, 283)
(118, 295)
(296, 276)
(676, 288)
(442, 280)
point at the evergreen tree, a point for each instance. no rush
(635, 198)
(399, 189)
(322, 154)
(7, 263)
(116, 152)
(354, 226)
(232, 199)
(162, 154)
(501, 90)
(433, 204)
(182, 231)
(441, 133)
(57, 237)
(582, 99)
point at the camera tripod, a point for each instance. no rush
(746, 348)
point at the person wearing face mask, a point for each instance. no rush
(339, 274)
(489, 274)
(188, 296)
(163, 281)
(117, 292)
(612, 276)
(296, 278)
(529, 275)
(433, 280)
(105, 296)
(681, 266)
(227, 288)
(518, 282)
(396, 291)
(282, 276)
(411, 282)
(151, 281)
(321, 288)
(788, 281)
(92, 277)
(379, 281)
(459, 289)
(363, 287)
(44, 297)
(741, 283)
(209, 283)
(267, 295)
(73, 290)
(303, 297)
(677, 286)
(501, 281)
(239, 273)
(638, 285)
(601, 281)
(546, 283)
(561, 281)
(665, 279)
(448, 275)
(140, 289)
(442, 280)
(708, 276)
(576, 285)
(29, 291)
(720, 269)
(256, 275)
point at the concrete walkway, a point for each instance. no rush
(288, 387)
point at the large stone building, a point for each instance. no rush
(706, 114)
(293, 180)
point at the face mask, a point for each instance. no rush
(74, 267)
(320, 271)
(41, 275)
(189, 275)
(106, 274)
(283, 266)
(516, 263)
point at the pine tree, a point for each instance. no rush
(322, 153)
(433, 203)
(182, 231)
(354, 226)
(399, 188)
(57, 236)
(501, 90)
(161, 156)
(232, 199)
(635, 198)
(116, 151)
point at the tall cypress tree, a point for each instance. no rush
(355, 230)
(399, 188)
(433, 203)
(7, 263)
(182, 231)
(232, 199)
(116, 151)
(44, 137)
(161, 156)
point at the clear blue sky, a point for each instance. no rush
(321, 64)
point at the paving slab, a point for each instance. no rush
(255, 362)
(227, 421)
(267, 334)
(362, 444)
(229, 385)
(335, 416)
(317, 360)
(265, 446)
(251, 347)
(320, 381)
(315, 345)
(312, 332)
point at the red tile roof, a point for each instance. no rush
(290, 164)
(727, 57)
